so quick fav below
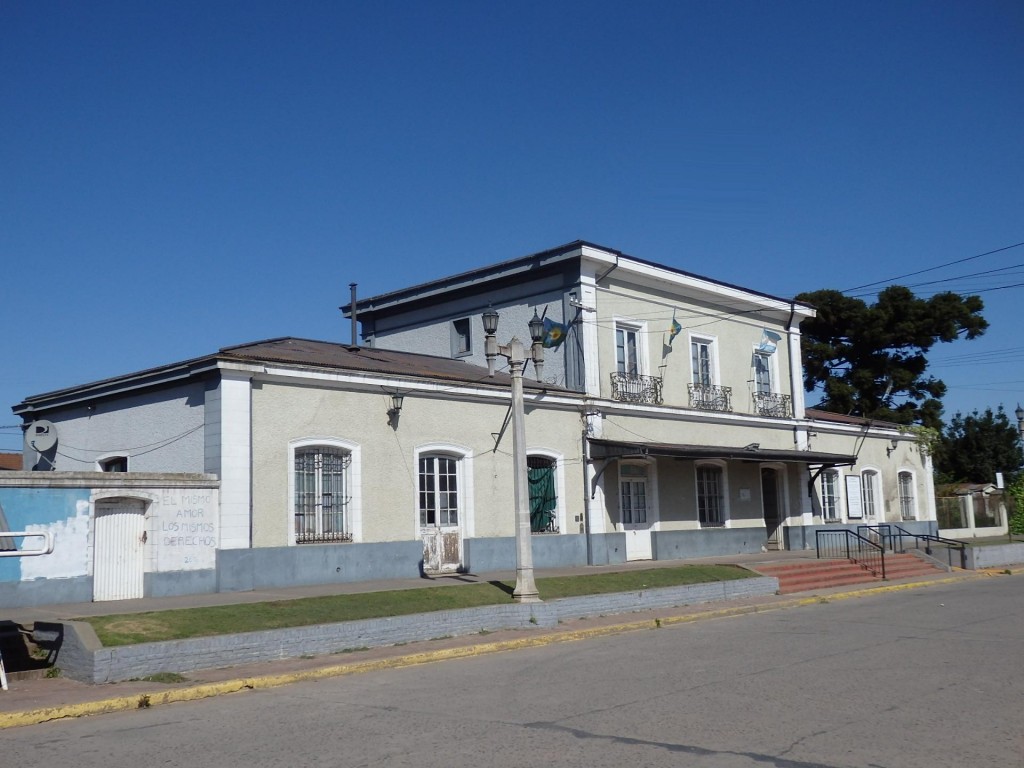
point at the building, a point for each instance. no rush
(670, 423)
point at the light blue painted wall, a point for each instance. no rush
(58, 510)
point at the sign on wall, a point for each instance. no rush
(186, 529)
(854, 502)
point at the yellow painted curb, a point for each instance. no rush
(207, 690)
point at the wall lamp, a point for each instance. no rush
(396, 406)
(893, 444)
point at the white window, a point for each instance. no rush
(908, 505)
(762, 373)
(869, 492)
(627, 350)
(322, 497)
(702, 361)
(462, 340)
(633, 493)
(830, 496)
(710, 495)
(439, 491)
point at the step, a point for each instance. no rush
(823, 574)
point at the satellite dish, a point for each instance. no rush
(42, 435)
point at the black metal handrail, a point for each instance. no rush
(890, 534)
(842, 543)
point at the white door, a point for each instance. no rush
(119, 545)
(635, 511)
(439, 514)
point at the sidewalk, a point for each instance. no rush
(38, 699)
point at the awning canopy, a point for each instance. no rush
(615, 449)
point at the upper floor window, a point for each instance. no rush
(439, 491)
(762, 373)
(113, 464)
(830, 496)
(627, 356)
(633, 493)
(908, 504)
(702, 362)
(462, 340)
(540, 473)
(710, 495)
(322, 494)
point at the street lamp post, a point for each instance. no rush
(515, 352)
(1019, 413)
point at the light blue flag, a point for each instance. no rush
(769, 341)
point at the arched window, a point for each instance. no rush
(908, 504)
(830, 496)
(869, 492)
(540, 472)
(322, 494)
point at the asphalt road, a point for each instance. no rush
(924, 677)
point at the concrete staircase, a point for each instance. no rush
(808, 575)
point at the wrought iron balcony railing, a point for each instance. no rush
(634, 388)
(773, 405)
(709, 397)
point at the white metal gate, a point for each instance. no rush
(119, 545)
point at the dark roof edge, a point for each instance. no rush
(366, 305)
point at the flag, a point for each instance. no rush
(554, 333)
(674, 329)
(769, 341)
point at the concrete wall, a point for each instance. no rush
(734, 338)
(159, 431)
(383, 475)
(181, 530)
(710, 542)
(241, 570)
(994, 556)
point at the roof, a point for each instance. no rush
(330, 355)
(816, 414)
(532, 262)
(288, 351)
(611, 449)
(10, 461)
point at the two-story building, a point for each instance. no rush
(670, 423)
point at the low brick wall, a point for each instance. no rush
(82, 657)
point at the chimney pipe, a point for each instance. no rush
(355, 326)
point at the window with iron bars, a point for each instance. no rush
(907, 505)
(321, 495)
(710, 502)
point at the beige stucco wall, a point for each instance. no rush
(875, 452)
(735, 335)
(387, 467)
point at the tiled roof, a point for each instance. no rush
(330, 355)
(10, 461)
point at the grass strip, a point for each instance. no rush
(179, 624)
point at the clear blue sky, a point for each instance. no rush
(180, 176)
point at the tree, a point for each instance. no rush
(974, 447)
(869, 360)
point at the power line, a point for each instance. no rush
(932, 269)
